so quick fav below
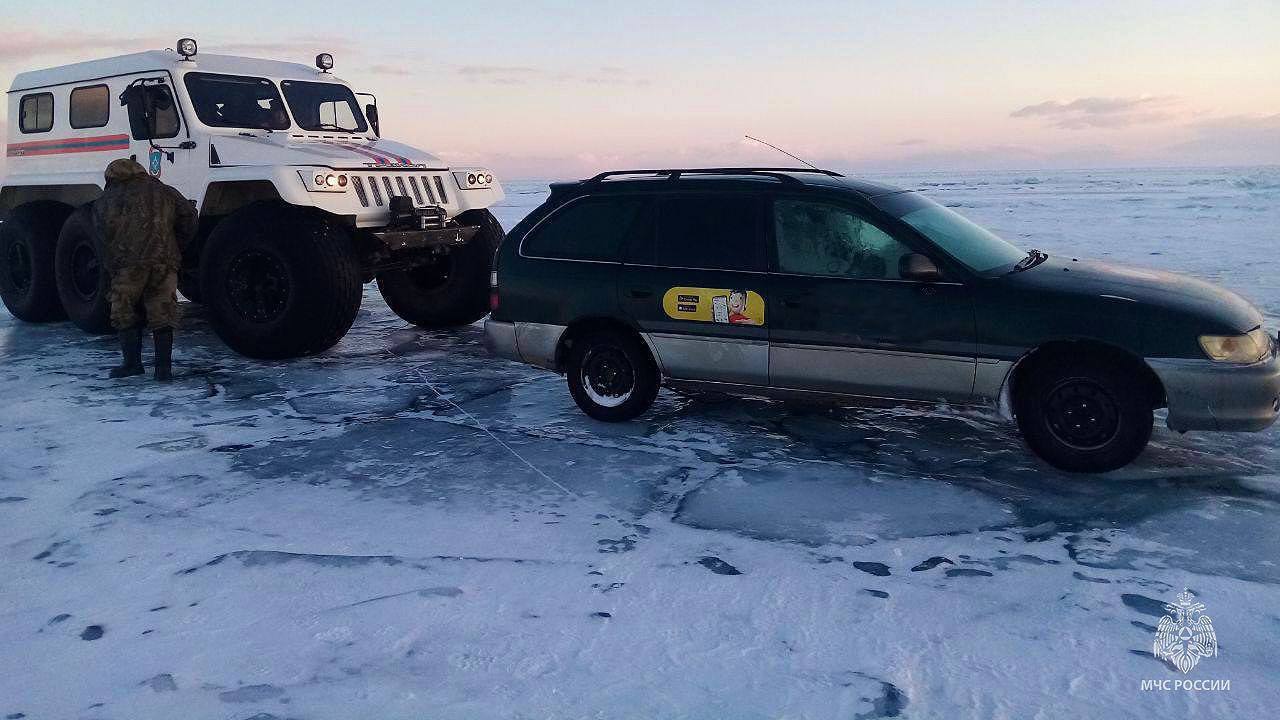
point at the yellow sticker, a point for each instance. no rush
(717, 305)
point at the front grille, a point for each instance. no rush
(425, 191)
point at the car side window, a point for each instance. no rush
(90, 107)
(714, 232)
(35, 113)
(591, 229)
(818, 238)
(152, 112)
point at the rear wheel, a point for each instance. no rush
(1084, 414)
(82, 279)
(611, 375)
(280, 281)
(28, 242)
(454, 288)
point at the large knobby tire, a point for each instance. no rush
(82, 279)
(612, 376)
(1084, 414)
(453, 290)
(280, 281)
(28, 241)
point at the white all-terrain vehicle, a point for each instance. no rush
(301, 200)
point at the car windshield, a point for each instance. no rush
(237, 101)
(324, 106)
(971, 245)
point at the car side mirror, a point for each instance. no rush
(914, 266)
(371, 112)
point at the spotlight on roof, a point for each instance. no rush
(324, 61)
(186, 48)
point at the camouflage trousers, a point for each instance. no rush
(140, 290)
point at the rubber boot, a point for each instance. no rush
(131, 351)
(163, 339)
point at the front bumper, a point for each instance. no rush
(1206, 395)
(420, 239)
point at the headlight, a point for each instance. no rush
(473, 180)
(323, 181)
(1248, 348)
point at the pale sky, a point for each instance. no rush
(560, 89)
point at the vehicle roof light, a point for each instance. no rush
(186, 48)
(324, 61)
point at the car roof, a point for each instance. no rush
(701, 178)
(158, 60)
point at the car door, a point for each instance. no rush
(157, 134)
(698, 289)
(848, 321)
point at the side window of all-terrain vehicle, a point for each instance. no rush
(90, 106)
(817, 238)
(591, 229)
(713, 232)
(35, 114)
(152, 112)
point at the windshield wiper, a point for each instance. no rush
(330, 126)
(1034, 257)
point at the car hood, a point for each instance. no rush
(338, 152)
(1152, 289)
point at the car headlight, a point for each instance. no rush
(1251, 347)
(473, 180)
(323, 181)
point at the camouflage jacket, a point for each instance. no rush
(142, 221)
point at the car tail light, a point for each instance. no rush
(493, 291)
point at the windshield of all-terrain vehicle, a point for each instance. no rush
(324, 106)
(237, 101)
(971, 245)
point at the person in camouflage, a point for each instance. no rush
(144, 225)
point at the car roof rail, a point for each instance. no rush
(779, 173)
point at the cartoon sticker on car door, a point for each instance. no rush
(716, 305)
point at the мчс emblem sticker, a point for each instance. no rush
(726, 306)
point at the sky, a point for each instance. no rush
(541, 89)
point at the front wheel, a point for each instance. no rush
(82, 279)
(452, 289)
(611, 376)
(1084, 415)
(280, 281)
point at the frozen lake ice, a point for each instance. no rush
(404, 527)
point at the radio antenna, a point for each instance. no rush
(784, 152)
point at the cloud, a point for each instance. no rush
(1231, 140)
(307, 46)
(18, 45)
(525, 75)
(1102, 112)
(388, 70)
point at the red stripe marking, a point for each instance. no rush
(65, 141)
(357, 150)
(99, 143)
(403, 160)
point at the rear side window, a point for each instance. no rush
(716, 232)
(35, 113)
(592, 229)
(90, 106)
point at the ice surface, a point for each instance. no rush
(335, 537)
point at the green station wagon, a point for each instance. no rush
(803, 283)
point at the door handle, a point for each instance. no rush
(640, 294)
